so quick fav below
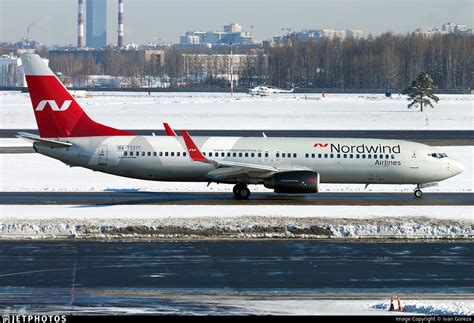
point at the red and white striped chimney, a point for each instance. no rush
(120, 24)
(80, 23)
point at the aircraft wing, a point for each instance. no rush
(229, 169)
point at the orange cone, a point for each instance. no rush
(400, 307)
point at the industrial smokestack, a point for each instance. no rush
(120, 24)
(80, 23)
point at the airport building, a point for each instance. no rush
(11, 71)
(316, 34)
(447, 28)
(219, 66)
(96, 23)
(232, 34)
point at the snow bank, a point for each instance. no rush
(234, 222)
(286, 111)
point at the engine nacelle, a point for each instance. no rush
(301, 181)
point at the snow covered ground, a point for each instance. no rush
(241, 111)
(34, 172)
(348, 307)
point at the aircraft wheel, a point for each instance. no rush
(418, 193)
(244, 193)
(237, 188)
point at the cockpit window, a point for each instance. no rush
(438, 155)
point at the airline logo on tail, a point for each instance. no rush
(54, 106)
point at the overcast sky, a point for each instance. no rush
(55, 21)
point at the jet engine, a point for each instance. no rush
(294, 182)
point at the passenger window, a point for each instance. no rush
(166, 154)
(294, 155)
(313, 155)
(282, 155)
(228, 154)
(259, 155)
(240, 154)
(306, 155)
(178, 153)
(387, 157)
(393, 156)
(172, 154)
(137, 154)
(288, 155)
(204, 153)
(161, 153)
(338, 155)
(320, 156)
(363, 156)
(266, 154)
(210, 154)
(357, 156)
(351, 156)
(143, 153)
(369, 156)
(234, 154)
(345, 155)
(154, 153)
(184, 154)
(332, 155)
(246, 154)
(222, 154)
(325, 155)
(125, 153)
(381, 156)
(252, 155)
(149, 153)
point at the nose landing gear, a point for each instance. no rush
(241, 191)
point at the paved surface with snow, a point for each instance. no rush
(266, 277)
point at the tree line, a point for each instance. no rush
(387, 61)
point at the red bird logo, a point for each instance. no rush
(320, 145)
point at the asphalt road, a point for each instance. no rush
(163, 276)
(212, 198)
(431, 137)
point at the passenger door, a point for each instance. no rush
(415, 159)
(102, 155)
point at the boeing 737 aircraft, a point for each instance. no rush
(286, 165)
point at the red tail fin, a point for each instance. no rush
(57, 112)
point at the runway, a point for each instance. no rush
(430, 137)
(212, 198)
(183, 277)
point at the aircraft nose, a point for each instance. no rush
(456, 168)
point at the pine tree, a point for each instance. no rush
(421, 92)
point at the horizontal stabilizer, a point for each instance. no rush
(46, 142)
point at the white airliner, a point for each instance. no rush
(286, 165)
(265, 90)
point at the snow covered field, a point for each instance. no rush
(285, 111)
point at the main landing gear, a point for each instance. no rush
(418, 193)
(241, 191)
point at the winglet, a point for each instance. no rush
(169, 130)
(193, 150)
